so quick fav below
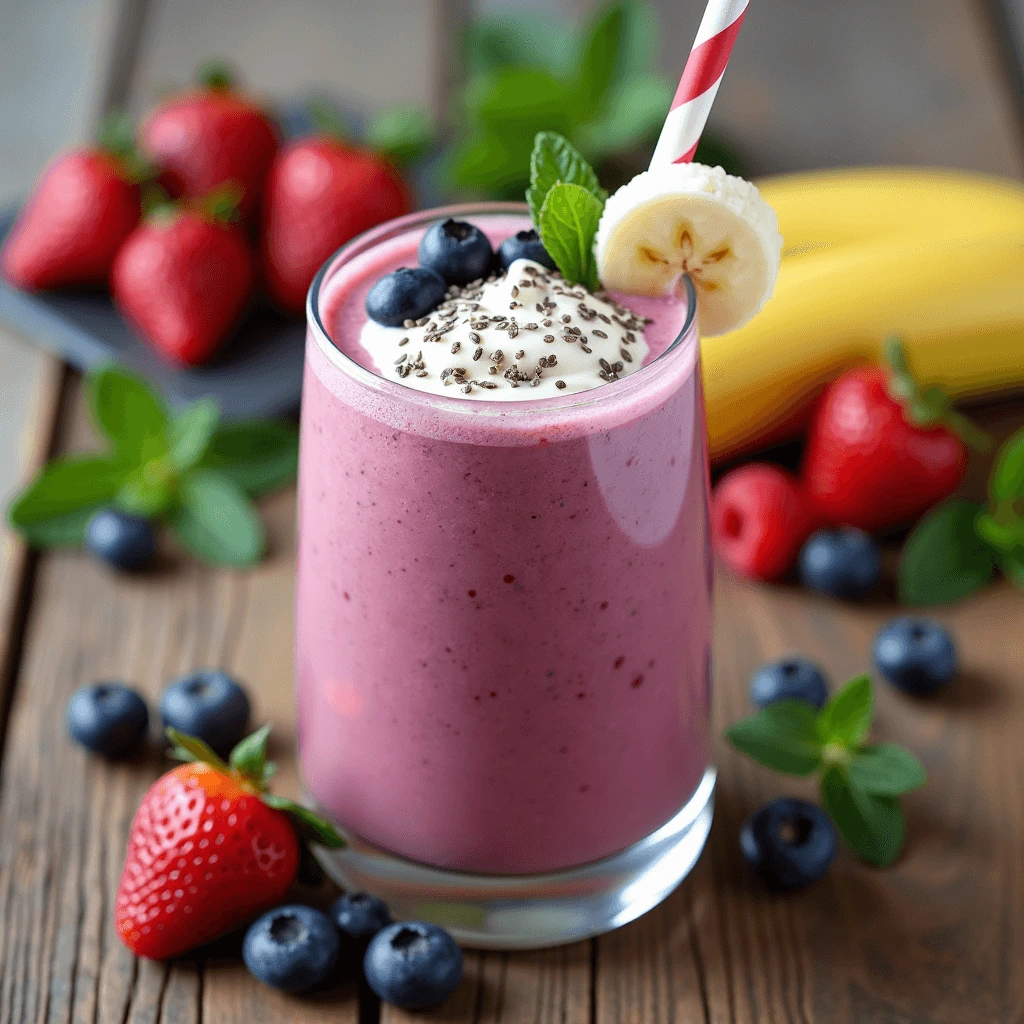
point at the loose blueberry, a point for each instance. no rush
(917, 656)
(108, 718)
(359, 916)
(122, 540)
(789, 843)
(209, 705)
(458, 251)
(789, 679)
(413, 965)
(524, 245)
(291, 948)
(407, 293)
(844, 562)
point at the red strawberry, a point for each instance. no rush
(877, 461)
(759, 520)
(183, 278)
(208, 850)
(320, 193)
(82, 209)
(208, 136)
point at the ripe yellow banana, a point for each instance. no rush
(822, 208)
(958, 303)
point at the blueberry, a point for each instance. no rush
(407, 293)
(108, 718)
(291, 948)
(209, 705)
(789, 843)
(916, 655)
(844, 562)
(789, 679)
(524, 245)
(120, 539)
(359, 916)
(413, 965)
(458, 251)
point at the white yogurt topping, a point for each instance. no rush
(524, 335)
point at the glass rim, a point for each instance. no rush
(481, 408)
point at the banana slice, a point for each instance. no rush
(696, 220)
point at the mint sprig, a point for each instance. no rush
(860, 782)
(182, 468)
(955, 549)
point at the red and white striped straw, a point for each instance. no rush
(699, 84)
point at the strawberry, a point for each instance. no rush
(208, 136)
(759, 520)
(320, 193)
(81, 210)
(184, 277)
(880, 451)
(209, 849)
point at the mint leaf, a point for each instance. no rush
(1012, 565)
(64, 531)
(250, 756)
(884, 769)
(1004, 533)
(943, 559)
(404, 134)
(513, 40)
(782, 737)
(846, 718)
(216, 522)
(871, 825)
(519, 101)
(191, 430)
(149, 491)
(568, 224)
(554, 160)
(599, 60)
(1007, 482)
(634, 112)
(129, 412)
(257, 455)
(308, 824)
(68, 486)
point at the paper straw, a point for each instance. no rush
(699, 84)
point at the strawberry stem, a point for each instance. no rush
(220, 204)
(326, 120)
(215, 74)
(116, 136)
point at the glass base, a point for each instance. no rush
(532, 911)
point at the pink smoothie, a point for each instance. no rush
(504, 609)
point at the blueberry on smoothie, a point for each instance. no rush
(916, 655)
(122, 540)
(359, 916)
(109, 719)
(460, 252)
(844, 562)
(407, 293)
(209, 705)
(413, 965)
(789, 679)
(524, 245)
(789, 843)
(291, 948)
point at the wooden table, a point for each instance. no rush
(939, 938)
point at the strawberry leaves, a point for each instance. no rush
(181, 467)
(860, 782)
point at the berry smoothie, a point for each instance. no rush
(504, 607)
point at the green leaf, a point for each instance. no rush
(72, 484)
(554, 159)
(599, 60)
(1007, 483)
(191, 748)
(634, 113)
(518, 40)
(1004, 533)
(846, 718)
(404, 134)
(216, 522)
(519, 101)
(871, 825)
(129, 412)
(1012, 565)
(943, 559)
(782, 737)
(65, 531)
(191, 431)
(885, 769)
(568, 224)
(490, 163)
(309, 825)
(258, 455)
(149, 491)
(250, 756)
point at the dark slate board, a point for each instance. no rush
(259, 373)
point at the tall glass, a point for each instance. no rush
(503, 629)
